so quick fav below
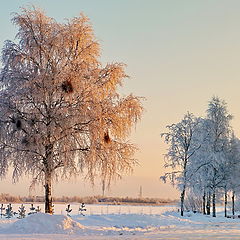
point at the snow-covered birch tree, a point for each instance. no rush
(182, 146)
(60, 110)
(200, 172)
(219, 132)
(232, 182)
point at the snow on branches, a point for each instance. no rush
(203, 155)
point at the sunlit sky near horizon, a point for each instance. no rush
(178, 55)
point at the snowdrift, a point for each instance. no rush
(44, 223)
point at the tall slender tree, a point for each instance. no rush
(182, 147)
(61, 114)
(219, 135)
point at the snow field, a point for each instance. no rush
(118, 222)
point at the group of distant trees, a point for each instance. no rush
(7, 198)
(60, 112)
(203, 157)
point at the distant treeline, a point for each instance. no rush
(7, 198)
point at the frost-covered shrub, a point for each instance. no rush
(22, 212)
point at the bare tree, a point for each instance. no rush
(182, 146)
(60, 110)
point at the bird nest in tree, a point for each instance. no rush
(17, 123)
(106, 138)
(67, 87)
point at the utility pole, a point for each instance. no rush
(140, 192)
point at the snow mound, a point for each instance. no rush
(45, 223)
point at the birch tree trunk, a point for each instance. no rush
(233, 203)
(182, 199)
(48, 193)
(225, 203)
(204, 203)
(214, 203)
(208, 206)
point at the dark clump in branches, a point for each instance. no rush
(19, 124)
(106, 138)
(67, 87)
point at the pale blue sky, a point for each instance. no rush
(179, 54)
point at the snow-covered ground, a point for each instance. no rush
(103, 222)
